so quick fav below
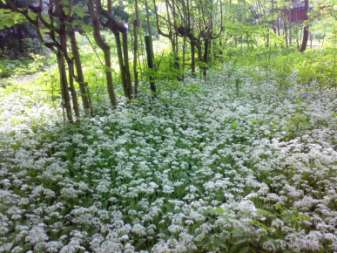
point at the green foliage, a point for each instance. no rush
(288, 65)
(9, 18)
(23, 66)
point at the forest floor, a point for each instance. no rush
(228, 165)
(26, 78)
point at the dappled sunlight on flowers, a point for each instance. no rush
(212, 171)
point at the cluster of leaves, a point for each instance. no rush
(8, 18)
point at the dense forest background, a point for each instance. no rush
(132, 42)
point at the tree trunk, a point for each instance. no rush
(149, 51)
(108, 74)
(290, 35)
(73, 90)
(305, 30)
(206, 58)
(84, 88)
(64, 86)
(199, 48)
(184, 58)
(286, 34)
(175, 41)
(121, 64)
(135, 48)
(62, 51)
(150, 62)
(305, 38)
(193, 59)
(105, 48)
(127, 65)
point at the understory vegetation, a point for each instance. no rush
(206, 167)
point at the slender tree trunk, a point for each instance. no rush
(149, 51)
(122, 51)
(305, 30)
(121, 64)
(105, 48)
(84, 88)
(206, 58)
(290, 35)
(193, 58)
(127, 65)
(285, 33)
(172, 35)
(64, 86)
(150, 62)
(199, 48)
(136, 25)
(108, 74)
(305, 38)
(184, 58)
(73, 90)
(175, 41)
(62, 51)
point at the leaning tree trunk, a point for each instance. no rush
(122, 65)
(105, 48)
(84, 88)
(64, 86)
(62, 51)
(73, 90)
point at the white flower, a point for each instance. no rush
(168, 189)
(103, 186)
(139, 229)
(69, 192)
(174, 229)
(53, 246)
(247, 207)
(37, 234)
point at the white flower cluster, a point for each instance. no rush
(201, 169)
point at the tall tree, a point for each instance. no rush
(93, 7)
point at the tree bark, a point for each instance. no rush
(305, 38)
(84, 88)
(206, 58)
(149, 51)
(305, 30)
(127, 65)
(193, 59)
(150, 62)
(136, 25)
(73, 90)
(62, 51)
(105, 48)
(121, 65)
(64, 86)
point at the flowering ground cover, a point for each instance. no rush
(227, 165)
